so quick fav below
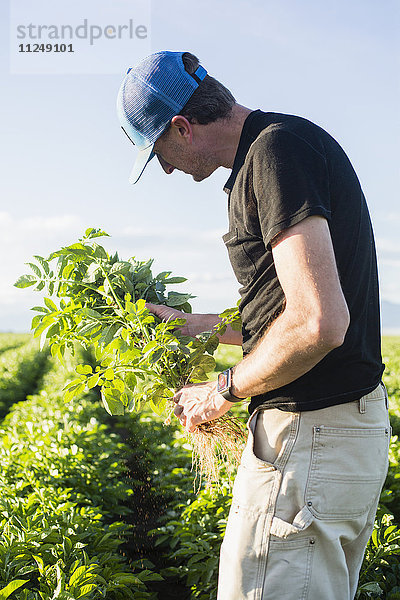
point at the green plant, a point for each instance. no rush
(140, 360)
(103, 306)
(20, 370)
(62, 494)
(380, 572)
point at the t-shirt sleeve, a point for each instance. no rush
(290, 182)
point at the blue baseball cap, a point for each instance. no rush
(153, 92)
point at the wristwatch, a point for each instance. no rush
(224, 386)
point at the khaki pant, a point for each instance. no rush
(304, 502)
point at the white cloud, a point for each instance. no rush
(390, 262)
(387, 245)
(14, 231)
(392, 216)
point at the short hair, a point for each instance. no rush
(210, 101)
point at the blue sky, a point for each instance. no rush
(65, 163)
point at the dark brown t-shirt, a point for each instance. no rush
(286, 169)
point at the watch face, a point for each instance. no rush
(222, 381)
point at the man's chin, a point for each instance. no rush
(199, 177)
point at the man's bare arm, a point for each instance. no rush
(196, 323)
(315, 318)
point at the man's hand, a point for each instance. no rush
(199, 403)
(166, 313)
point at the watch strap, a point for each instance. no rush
(224, 386)
(228, 396)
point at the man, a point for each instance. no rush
(301, 244)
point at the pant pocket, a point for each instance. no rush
(348, 468)
(255, 489)
(288, 571)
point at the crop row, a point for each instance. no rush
(64, 488)
(20, 372)
(62, 493)
(9, 341)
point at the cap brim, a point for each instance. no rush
(143, 157)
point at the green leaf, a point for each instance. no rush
(53, 331)
(73, 383)
(25, 281)
(88, 329)
(175, 280)
(41, 327)
(374, 538)
(109, 374)
(84, 369)
(43, 262)
(92, 274)
(77, 574)
(99, 252)
(156, 355)
(92, 233)
(176, 299)
(119, 385)
(87, 589)
(35, 269)
(125, 578)
(40, 309)
(74, 391)
(162, 276)
(212, 344)
(157, 405)
(67, 270)
(186, 307)
(67, 545)
(107, 335)
(111, 399)
(371, 587)
(149, 347)
(78, 249)
(89, 312)
(120, 268)
(131, 381)
(35, 321)
(93, 381)
(207, 363)
(11, 587)
(39, 562)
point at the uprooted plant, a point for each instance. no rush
(140, 359)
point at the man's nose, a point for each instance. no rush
(165, 165)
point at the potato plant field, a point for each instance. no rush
(96, 506)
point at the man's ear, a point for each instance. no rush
(182, 127)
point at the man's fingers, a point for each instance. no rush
(191, 424)
(177, 397)
(179, 415)
(178, 410)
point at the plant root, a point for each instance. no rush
(216, 445)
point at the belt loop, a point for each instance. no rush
(362, 405)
